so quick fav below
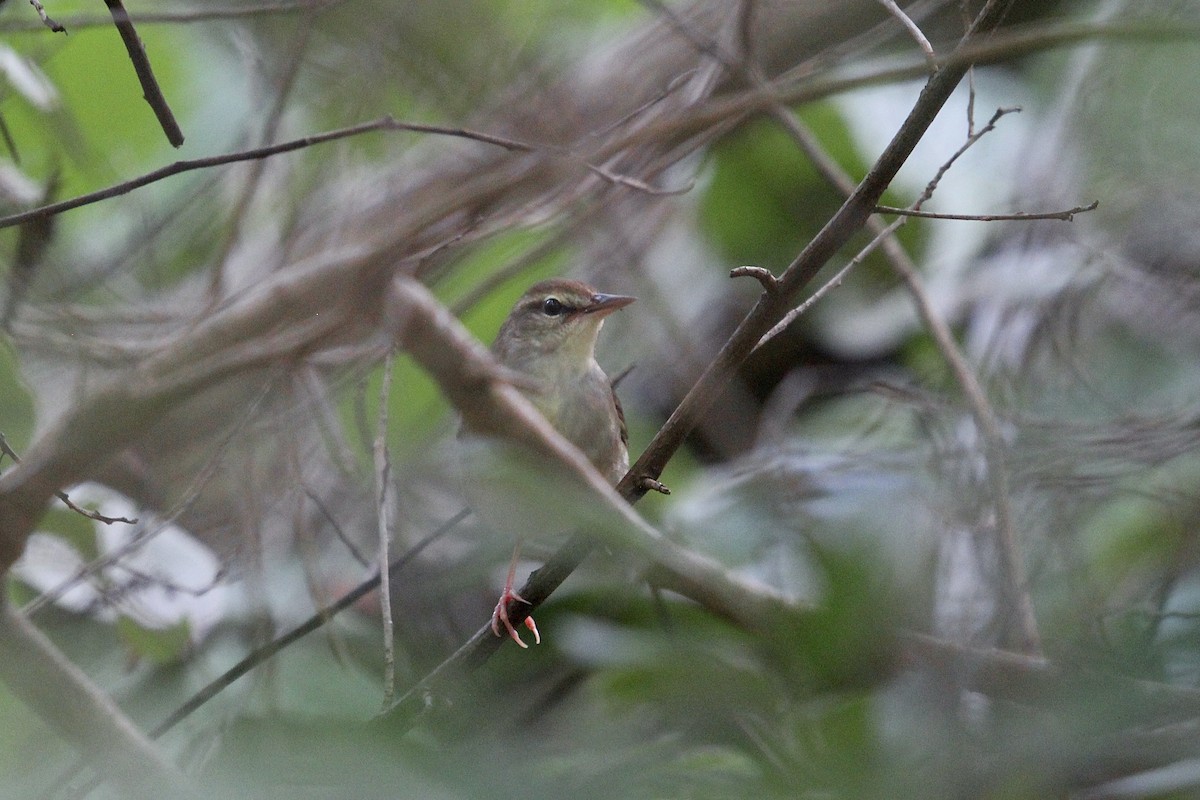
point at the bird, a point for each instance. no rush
(548, 344)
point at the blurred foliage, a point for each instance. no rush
(848, 485)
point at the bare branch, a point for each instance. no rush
(383, 124)
(207, 14)
(46, 21)
(93, 515)
(912, 29)
(634, 183)
(1020, 216)
(81, 713)
(141, 65)
(764, 276)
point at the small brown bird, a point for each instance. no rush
(550, 339)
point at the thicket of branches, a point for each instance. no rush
(914, 349)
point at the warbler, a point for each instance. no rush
(548, 342)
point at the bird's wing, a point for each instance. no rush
(620, 416)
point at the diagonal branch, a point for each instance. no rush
(1015, 590)
(848, 220)
(771, 307)
(145, 73)
(81, 713)
(467, 375)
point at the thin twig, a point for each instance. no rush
(1019, 216)
(178, 167)
(383, 480)
(383, 124)
(145, 73)
(828, 286)
(981, 409)
(337, 528)
(745, 30)
(765, 277)
(313, 623)
(46, 21)
(634, 183)
(912, 29)
(207, 14)
(93, 515)
(974, 137)
(185, 502)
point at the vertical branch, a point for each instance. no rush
(382, 470)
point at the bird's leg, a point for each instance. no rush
(500, 614)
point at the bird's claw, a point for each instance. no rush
(651, 485)
(500, 617)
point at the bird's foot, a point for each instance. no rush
(500, 617)
(651, 485)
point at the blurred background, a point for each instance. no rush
(846, 466)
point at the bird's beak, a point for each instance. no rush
(604, 304)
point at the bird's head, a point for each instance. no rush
(557, 321)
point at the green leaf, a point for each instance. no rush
(160, 646)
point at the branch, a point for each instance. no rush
(383, 498)
(467, 375)
(993, 49)
(46, 21)
(67, 501)
(383, 124)
(913, 30)
(848, 220)
(141, 65)
(81, 713)
(1065, 216)
(209, 14)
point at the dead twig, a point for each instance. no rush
(1019, 216)
(46, 21)
(61, 495)
(913, 30)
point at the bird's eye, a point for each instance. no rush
(552, 307)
